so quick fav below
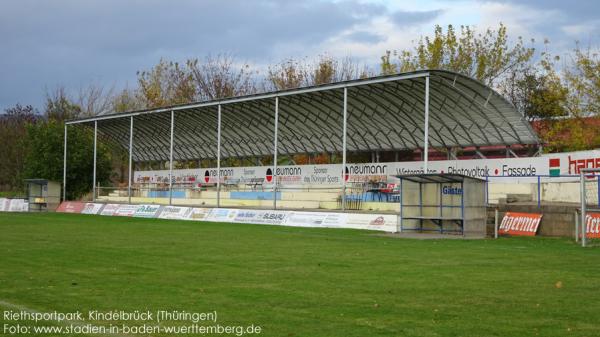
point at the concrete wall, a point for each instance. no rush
(550, 191)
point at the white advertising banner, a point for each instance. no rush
(306, 219)
(4, 204)
(385, 222)
(199, 214)
(250, 216)
(222, 215)
(335, 220)
(316, 219)
(175, 212)
(146, 211)
(109, 209)
(261, 217)
(126, 210)
(246, 216)
(547, 165)
(92, 208)
(569, 163)
(17, 205)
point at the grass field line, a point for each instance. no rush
(19, 307)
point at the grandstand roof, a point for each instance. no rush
(384, 113)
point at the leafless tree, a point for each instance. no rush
(287, 74)
(327, 69)
(220, 77)
(127, 100)
(95, 100)
(60, 106)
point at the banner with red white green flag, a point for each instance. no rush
(554, 166)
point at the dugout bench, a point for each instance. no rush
(443, 203)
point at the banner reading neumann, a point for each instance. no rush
(555, 164)
(525, 224)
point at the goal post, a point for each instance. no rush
(590, 205)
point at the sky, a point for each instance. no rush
(75, 43)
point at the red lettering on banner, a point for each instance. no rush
(520, 223)
(592, 225)
(577, 164)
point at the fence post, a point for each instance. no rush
(94, 172)
(487, 191)
(496, 223)
(344, 140)
(275, 152)
(583, 206)
(129, 178)
(576, 226)
(171, 158)
(64, 194)
(219, 156)
(539, 192)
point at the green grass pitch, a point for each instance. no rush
(300, 281)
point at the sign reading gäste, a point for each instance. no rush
(520, 223)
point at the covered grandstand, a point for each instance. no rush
(406, 113)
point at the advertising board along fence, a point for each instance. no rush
(548, 178)
(554, 165)
(376, 222)
(520, 224)
(13, 205)
(592, 225)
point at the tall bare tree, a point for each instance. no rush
(95, 100)
(292, 73)
(127, 100)
(327, 69)
(221, 77)
(288, 74)
(60, 106)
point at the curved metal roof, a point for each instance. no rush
(384, 113)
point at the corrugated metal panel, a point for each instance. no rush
(384, 113)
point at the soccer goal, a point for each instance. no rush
(590, 206)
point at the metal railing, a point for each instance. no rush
(541, 189)
(256, 195)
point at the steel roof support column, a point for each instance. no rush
(583, 206)
(426, 129)
(129, 178)
(219, 156)
(171, 159)
(64, 196)
(275, 153)
(94, 174)
(344, 131)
